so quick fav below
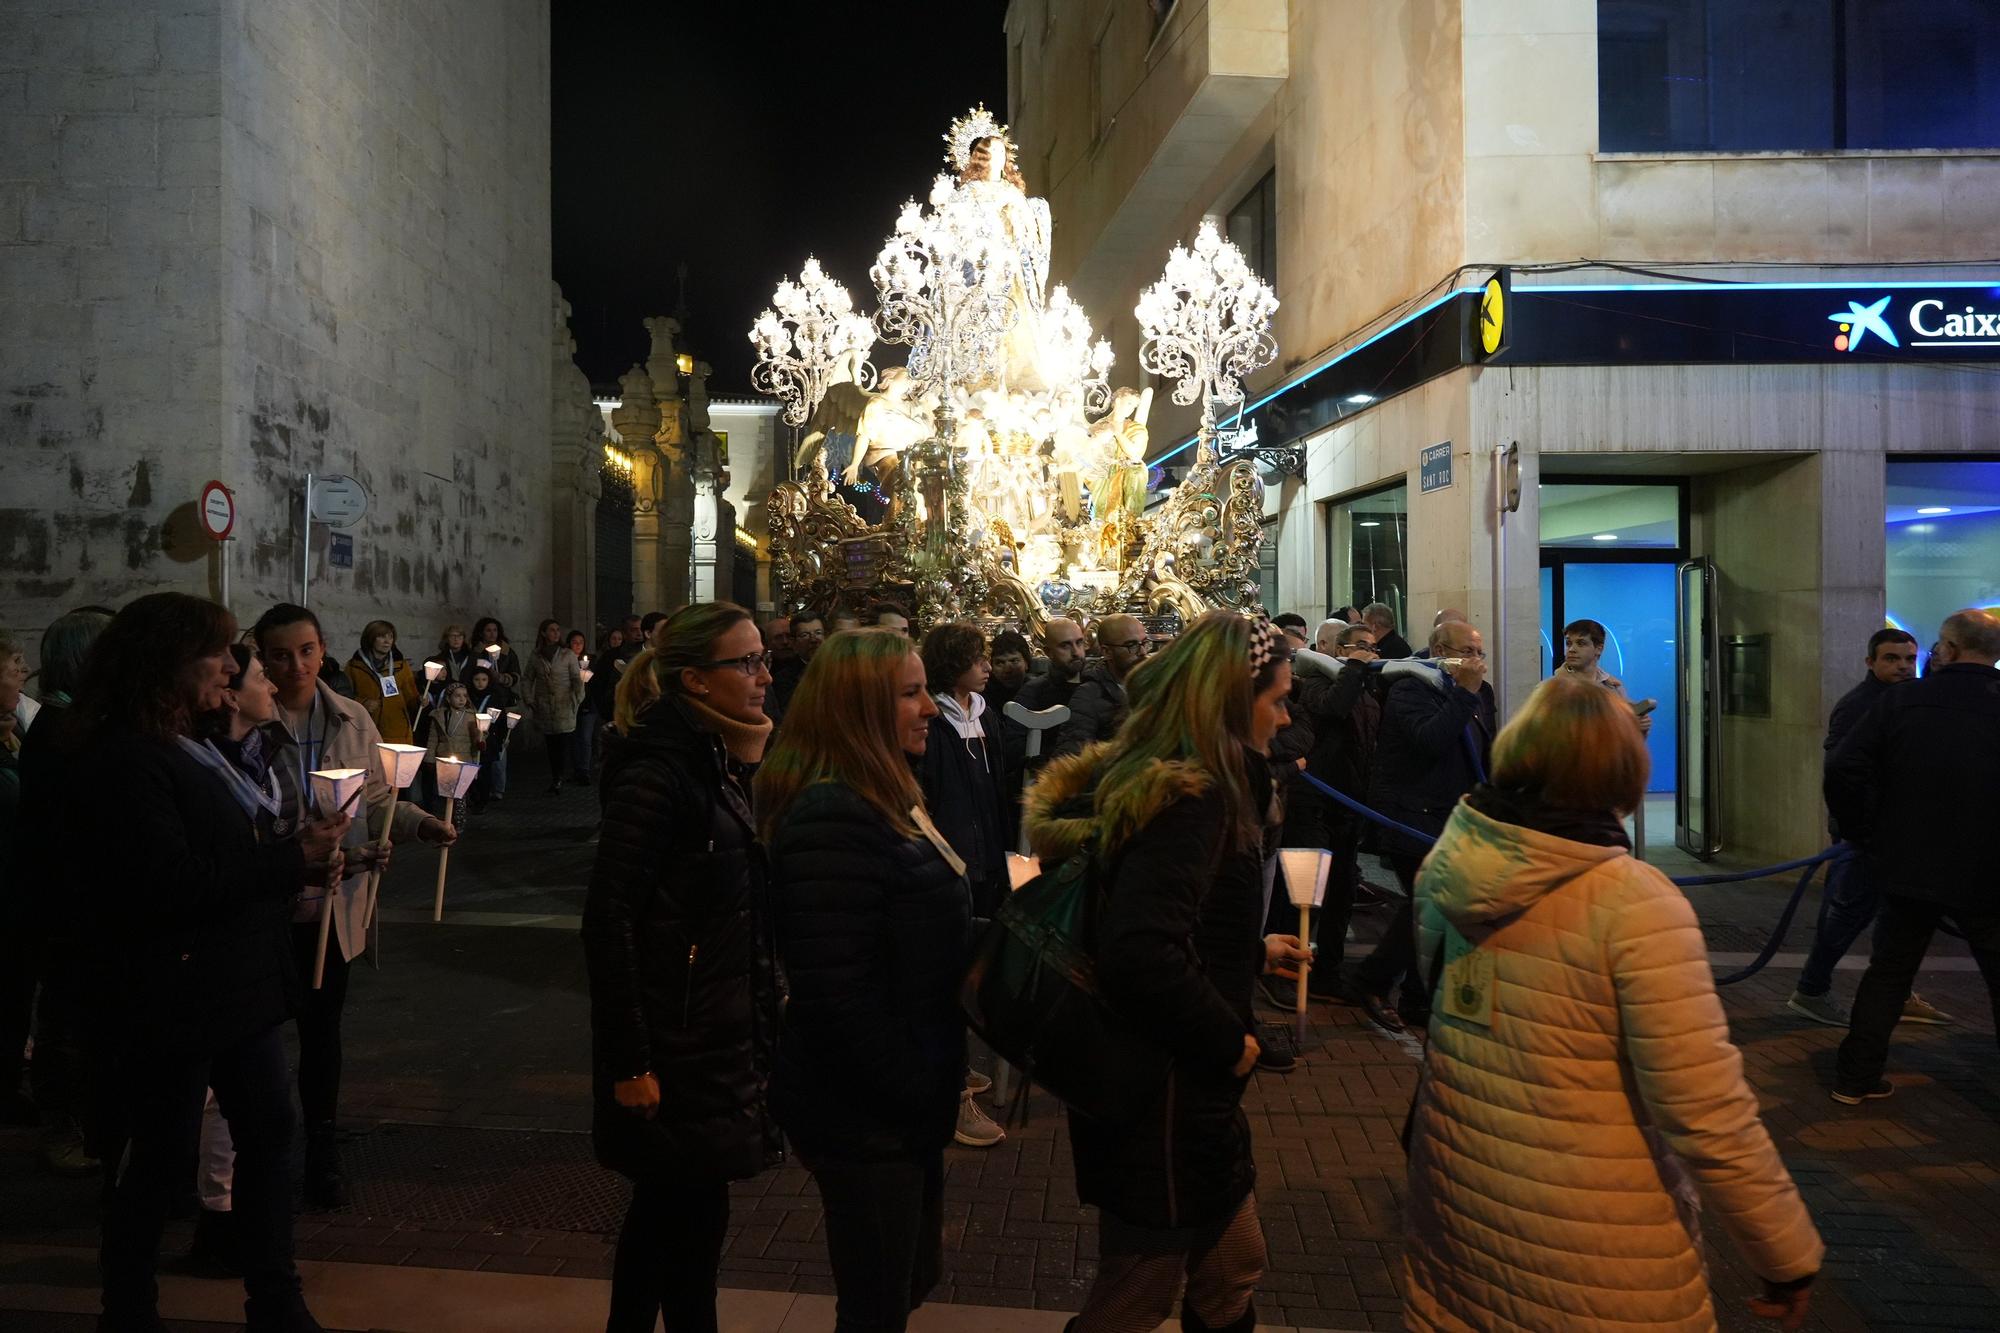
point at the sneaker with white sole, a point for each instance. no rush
(1819, 1008)
(976, 1129)
(1917, 1009)
(1883, 1088)
(976, 1083)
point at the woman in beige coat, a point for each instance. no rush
(1580, 1100)
(555, 692)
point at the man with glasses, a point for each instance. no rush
(1097, 709)
(808, 633)
(1435, 745)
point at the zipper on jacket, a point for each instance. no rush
(687, 995)
(1173, 1194)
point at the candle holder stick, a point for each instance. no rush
(335, 789)
(1305, 882)
(454, 779)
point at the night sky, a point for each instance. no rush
(736, 138)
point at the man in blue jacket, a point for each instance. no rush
(1915, 787)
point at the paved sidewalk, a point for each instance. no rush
(466, 1096)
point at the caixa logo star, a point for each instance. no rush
(1858, 321)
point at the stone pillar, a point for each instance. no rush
(714, 527)
(676, 499)
(575, 482)
(637, 421)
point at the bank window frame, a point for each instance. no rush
(1720, 93)
(1339, 593)
(1257, 234)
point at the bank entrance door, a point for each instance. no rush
(1610, 552)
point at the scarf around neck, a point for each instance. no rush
(745, 741)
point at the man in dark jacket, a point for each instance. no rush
(1389, 645)
(1062, 644)
(808, 632)
(1097, 709)
(1434, 747)
(1915, 787)
(1345, 718)
(1849, 902)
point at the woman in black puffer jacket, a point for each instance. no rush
(874, 924)
(683, 986)
(1180, 805)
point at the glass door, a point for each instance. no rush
(1697, 803)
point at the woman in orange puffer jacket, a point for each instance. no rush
(1580, 1099)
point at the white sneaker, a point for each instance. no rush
(976, 1129)
(976, 1083)
(1917, 1009)
(1819, 1008)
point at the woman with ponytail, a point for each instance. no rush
(683, 990)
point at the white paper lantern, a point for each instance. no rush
(433, 671)
(399, 763)
(332, 788)
(586, 673)
(455, 777)
(1021, 869)
(1305, 874)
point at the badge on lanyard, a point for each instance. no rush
(389, 690)
(1466, 988)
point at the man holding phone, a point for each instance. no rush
(1583, 647)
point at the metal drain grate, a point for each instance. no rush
(456, 1178)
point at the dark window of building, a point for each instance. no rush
(1253, 225)
(1797, 75)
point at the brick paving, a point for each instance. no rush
(467, 1095)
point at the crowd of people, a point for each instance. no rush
(802, 835)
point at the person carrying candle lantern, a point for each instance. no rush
(383, 682)
(451, 732)
(684, 994)
(321, 730)
(555, 693)
(489, 696)
(189, 909)
(1178, 810)
(489, 642)
(583, 741)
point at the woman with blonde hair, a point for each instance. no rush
(874, 924)
(1178, 809)
(1580, 1096)
(683, 990)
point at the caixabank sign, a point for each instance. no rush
(1524, 322)
(1705, 323)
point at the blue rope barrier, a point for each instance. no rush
(1809, 864)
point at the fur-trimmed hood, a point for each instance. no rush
(1059, 811)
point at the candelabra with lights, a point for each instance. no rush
(806, 339)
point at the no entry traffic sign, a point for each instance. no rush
(218, 511)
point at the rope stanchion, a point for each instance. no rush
(1809, 864)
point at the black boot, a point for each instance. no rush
(325, 1183)
(287, 1314)
(1246, 1323)
(217, 1251)
(130, 1321)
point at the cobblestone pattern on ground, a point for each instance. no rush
(470, 1037)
